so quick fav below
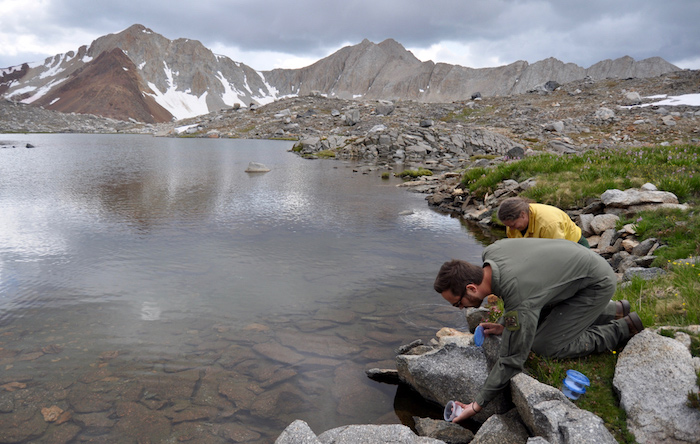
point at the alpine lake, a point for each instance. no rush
(151, 290)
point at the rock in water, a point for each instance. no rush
(255, 167)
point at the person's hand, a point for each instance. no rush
(468, 410)
(491, 328)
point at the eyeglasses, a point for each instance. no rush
(458, 303)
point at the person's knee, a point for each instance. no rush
(545, 348)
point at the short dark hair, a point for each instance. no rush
(511, 208)
(455, 275)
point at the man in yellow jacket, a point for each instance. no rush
(524, 219)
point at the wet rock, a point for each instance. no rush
(62, 434)
(392, 433)
(21, 426)
(385, 338)
(456, 370)
(12, 386)
(341, 316)
(443, 430)
(207, 393)
(83, 399)
(355, 397)
(318, 343)
(194, 413)
(165, 386)
(94, 423)
(502, 428)
(277, 352)
(239, 433)
(278, 376)
(240, 390)
(282, 399)
(407, 347)
(389, 376)
(234, 355)
(31, 356)
(255, 167)
(52, 413)
(95, 375)
(139, 424)
(6, 403)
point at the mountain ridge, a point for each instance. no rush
(177, 79)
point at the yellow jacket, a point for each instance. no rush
(548, 222)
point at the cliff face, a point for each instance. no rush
(139, 74)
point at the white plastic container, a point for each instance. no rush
(452, 410)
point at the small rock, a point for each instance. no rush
(255, 167)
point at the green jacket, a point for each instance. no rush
(531, 275)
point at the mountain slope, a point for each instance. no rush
(108, 86)
(157, 79)
(181, 76)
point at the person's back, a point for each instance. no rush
(548, 268)
(525, 219)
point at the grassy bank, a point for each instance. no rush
(673, 299)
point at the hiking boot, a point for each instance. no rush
(634, 322)
(622, 308)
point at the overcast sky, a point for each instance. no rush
(268, 34)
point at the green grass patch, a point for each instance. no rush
(599, 398)
(483, 156)
(678, 230)
(466, 113)
(326, 154)
(566, 181)
(412, 174)
(671, 299)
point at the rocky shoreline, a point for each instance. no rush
(453, 367)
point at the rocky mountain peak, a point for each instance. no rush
(186, 79)
(108, 86)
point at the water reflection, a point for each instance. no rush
(152, 290)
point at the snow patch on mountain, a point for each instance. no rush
(230, 96)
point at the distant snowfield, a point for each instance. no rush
(685, 99)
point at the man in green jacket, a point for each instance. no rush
(557, 303)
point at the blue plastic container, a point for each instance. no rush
(479, 336)
(574, 385)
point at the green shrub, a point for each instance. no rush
(414, 173)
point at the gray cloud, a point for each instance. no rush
(504, 30)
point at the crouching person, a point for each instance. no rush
(557, 303)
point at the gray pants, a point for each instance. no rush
(582, 324)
